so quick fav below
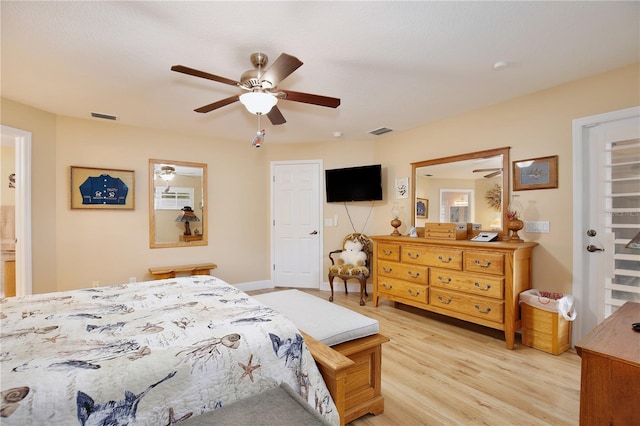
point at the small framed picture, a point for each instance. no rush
(422, 208)
(402, 188)
(535, 173)
(94, 188)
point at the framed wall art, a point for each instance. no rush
(94, 188)
(422, 208)
(402, 188)
(535, 173)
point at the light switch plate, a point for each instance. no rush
(540, 226)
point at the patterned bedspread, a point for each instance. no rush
(148, 353)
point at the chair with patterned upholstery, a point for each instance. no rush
(349, 271)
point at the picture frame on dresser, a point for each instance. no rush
(535, 173)
(101, 188)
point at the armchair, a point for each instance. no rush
(350, 271)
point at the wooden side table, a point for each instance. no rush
(610, 379)
(164, 272)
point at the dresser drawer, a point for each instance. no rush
(413, 273)
(388, 251)
(489, 309)
(432, 256)
(403, 289)
(468, 283)
(482, 261)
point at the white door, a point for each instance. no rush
(606, 215)
(296, 232)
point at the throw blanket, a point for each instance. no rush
(149, 353)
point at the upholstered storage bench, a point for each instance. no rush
(346, 346)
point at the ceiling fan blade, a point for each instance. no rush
(493, 169)
(308, 98)
(281, 69)
(218, 104)
(202, 74)
(275, 116)
(496, 173)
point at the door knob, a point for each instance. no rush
(313, 233)
(591, 248)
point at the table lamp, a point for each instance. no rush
(187, 216)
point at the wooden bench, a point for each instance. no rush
(164, 272)
(352, 372)
(352, 368)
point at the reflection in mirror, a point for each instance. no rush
(463, 188)
(177, 203)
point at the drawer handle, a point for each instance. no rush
(486, 265)
(387, 286)
(485, 288)
(442, 280)
(412, 293)
(449, 259)
(387, 252)
(413, 274)
(413, 256)
(445, 301)
(387, 270)
(486, 311)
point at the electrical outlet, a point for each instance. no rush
(96, 284)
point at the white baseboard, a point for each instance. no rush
(338, 287)
(254, 285)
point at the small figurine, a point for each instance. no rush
(413, 233)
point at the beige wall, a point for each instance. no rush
(73, 248)
(537, 125)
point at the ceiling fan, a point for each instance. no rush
(261, 89)
(496, 171)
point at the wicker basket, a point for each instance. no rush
(545, 330)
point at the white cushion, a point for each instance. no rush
(329, 323)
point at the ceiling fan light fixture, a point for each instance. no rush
(258, 102)
(167, 173)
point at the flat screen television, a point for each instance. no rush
(362, 183)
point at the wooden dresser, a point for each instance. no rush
(472, 281)
(610, 379)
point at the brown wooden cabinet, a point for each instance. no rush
(473, 281)
(610, 379)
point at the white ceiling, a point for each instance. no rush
(393, 64)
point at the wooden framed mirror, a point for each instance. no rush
(474, 186)
(177, 204)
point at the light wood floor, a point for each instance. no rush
(441, 371)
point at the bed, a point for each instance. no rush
(148, 353)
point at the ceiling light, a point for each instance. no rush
(167, 173)
(258, 102)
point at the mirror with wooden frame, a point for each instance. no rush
(468, 188)
(177, 204)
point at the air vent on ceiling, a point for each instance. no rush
(380, 131)
(104, 116)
